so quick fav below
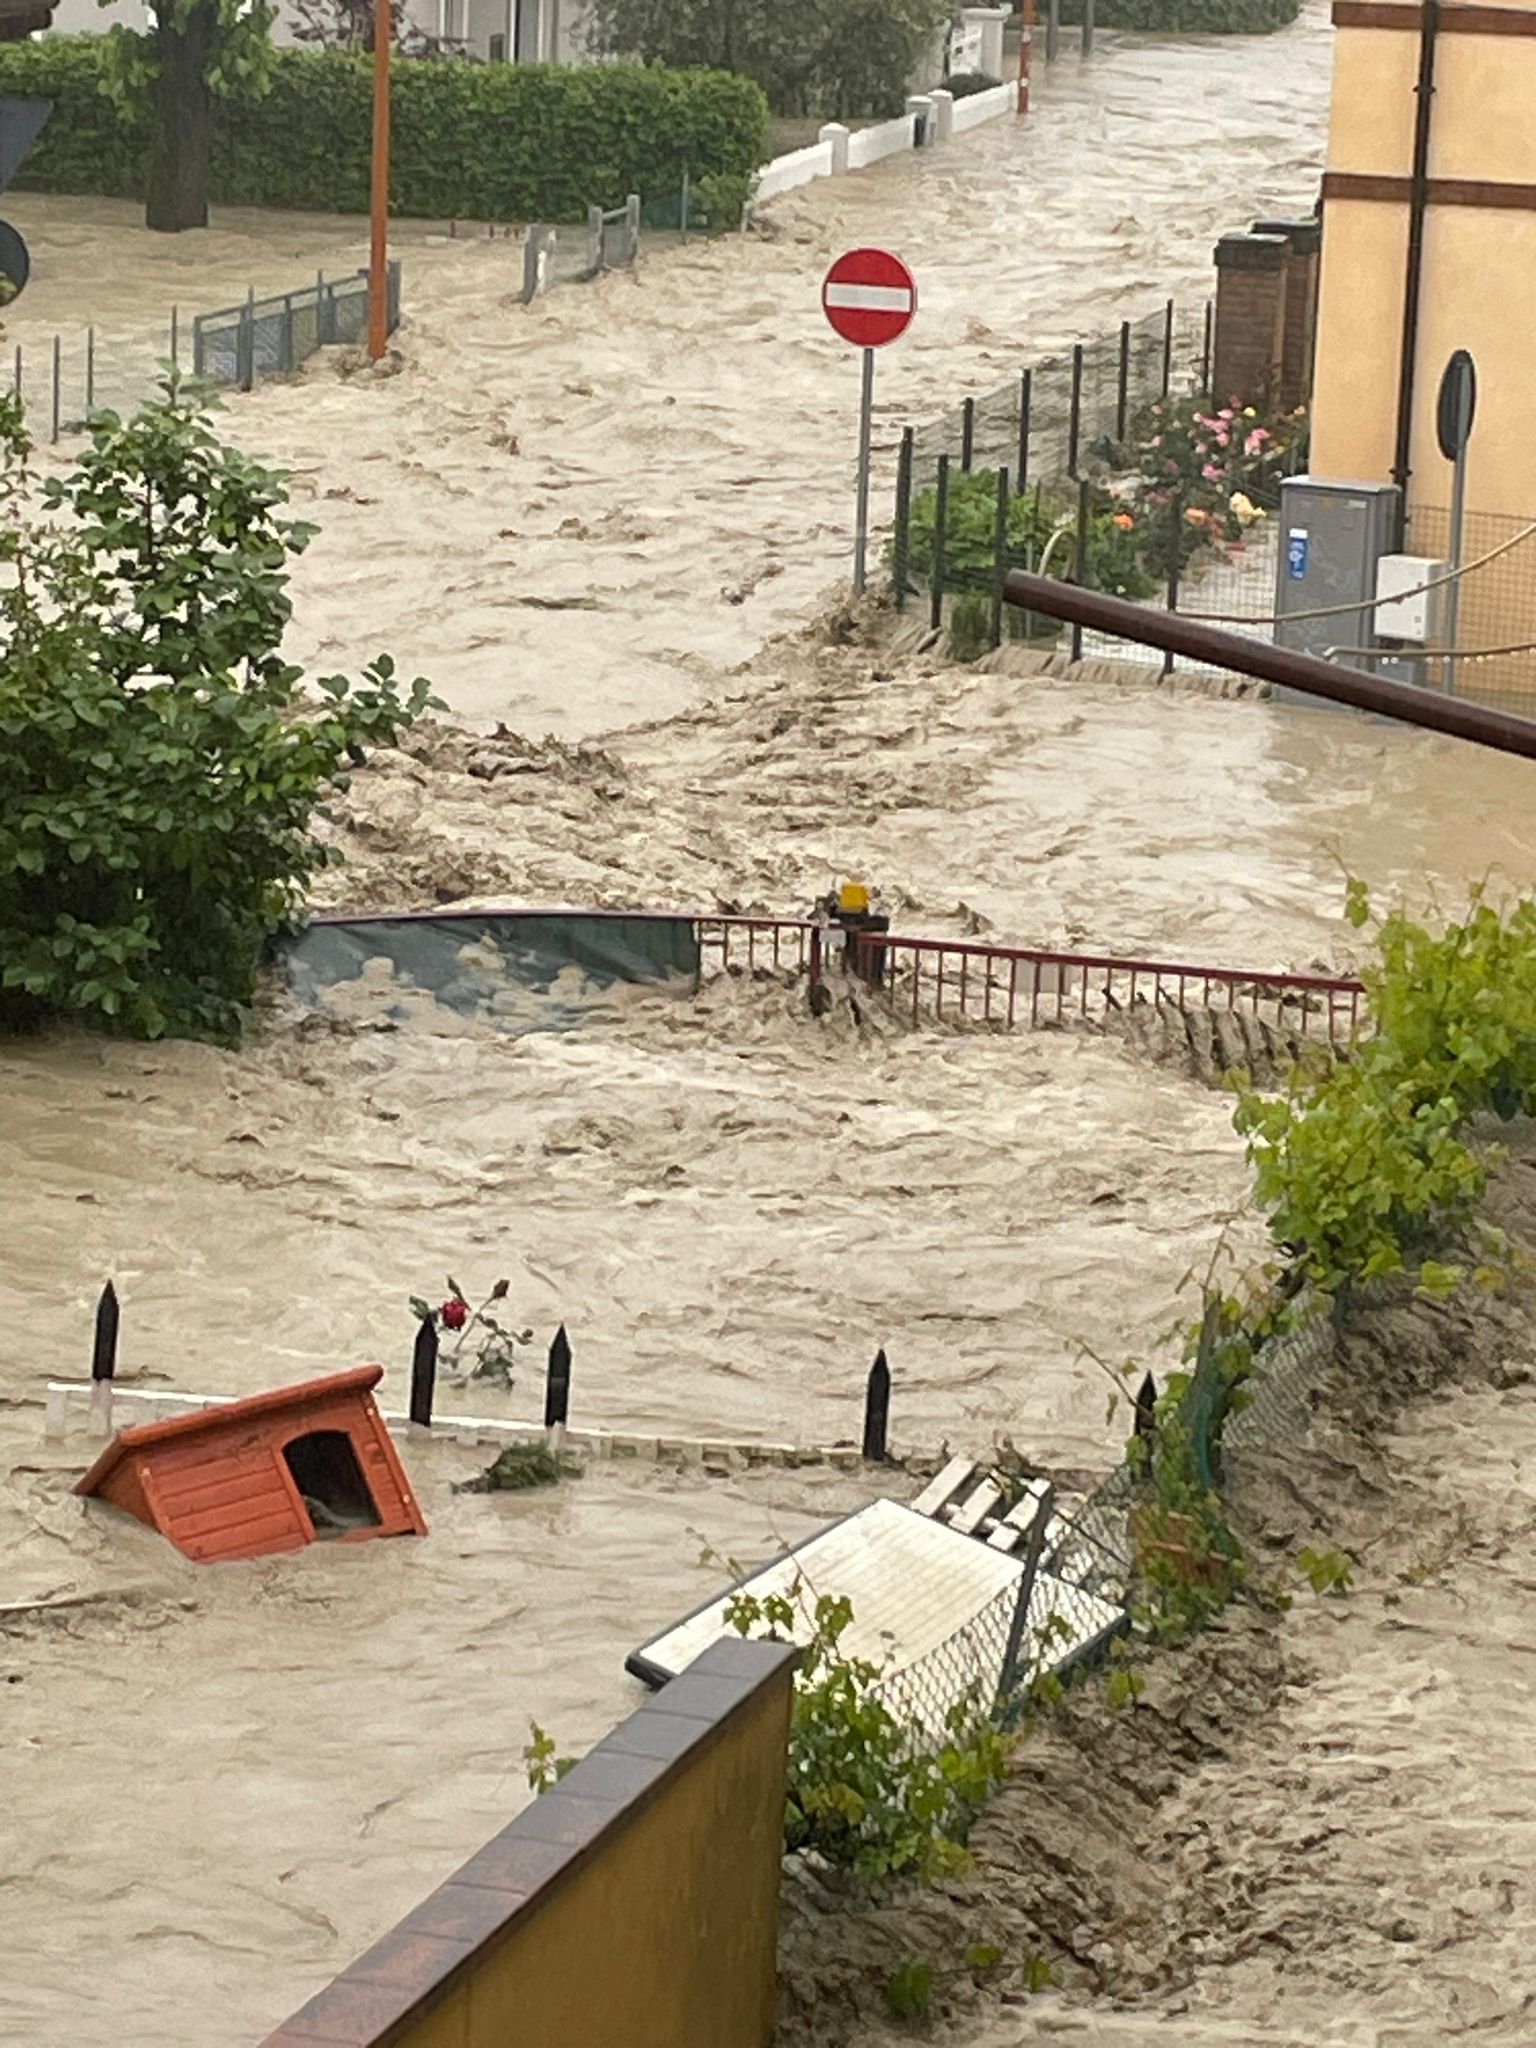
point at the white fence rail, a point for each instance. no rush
(798, 168)
(887, 138)
(985, 106)
(928, 119)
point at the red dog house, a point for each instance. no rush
(270, 1472)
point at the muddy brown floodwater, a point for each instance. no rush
(586, 518)
(572, 515)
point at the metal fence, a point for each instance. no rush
(955, 1687)
(1498, 603)
(272, 337)
(1273, 1411)
(966, 981)
(1045, 422)
(611, 240)
(64, 380)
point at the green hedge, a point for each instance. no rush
(1189, 17)
(472, 141)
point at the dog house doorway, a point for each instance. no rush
(324, 1467)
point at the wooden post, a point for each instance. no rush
(423, 1374)
(104, 1360)
(557, 1383)
(877, 1410)
(378, 323)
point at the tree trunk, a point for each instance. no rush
(181, 146)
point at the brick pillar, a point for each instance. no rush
(1251, 272)
(1306, 241)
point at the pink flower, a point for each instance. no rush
(1222, 439)
(1255, 442)
(1225, 413)
(1211, 473)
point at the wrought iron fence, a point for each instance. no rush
(1046, 476)
(271, 337)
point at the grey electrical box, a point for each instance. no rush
(1332, 536)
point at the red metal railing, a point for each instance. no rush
(964, 980)
(789, 943)
(961, 980)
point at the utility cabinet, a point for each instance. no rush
(1332, 539)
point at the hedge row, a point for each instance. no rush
(1189, 17)
(473, 141)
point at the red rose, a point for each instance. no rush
(454, 1314)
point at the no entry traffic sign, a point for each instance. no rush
(869, 296)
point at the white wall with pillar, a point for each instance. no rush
(986, 25)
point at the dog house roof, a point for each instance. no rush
(217, 1483)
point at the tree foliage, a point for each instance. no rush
(161, 767)
(192, 53)
(497, 142)
(833, 58)
(349, 25)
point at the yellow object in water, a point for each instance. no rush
(853, 896)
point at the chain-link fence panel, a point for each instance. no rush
(954, 1688)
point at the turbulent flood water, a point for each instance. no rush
(586, 518)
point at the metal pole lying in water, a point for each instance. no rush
(1501, 730)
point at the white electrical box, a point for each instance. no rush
(1401, 615)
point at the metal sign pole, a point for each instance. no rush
(1453, 589)
(861, 519)
(1455, 413)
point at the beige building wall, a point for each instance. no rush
(1479, 271)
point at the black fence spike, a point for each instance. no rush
(104, 1351)
(877, 1409)
(1146, 1404)
(424, 1372)
(557, 1384)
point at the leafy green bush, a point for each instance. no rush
(970, 626)
(472, 141)
(160, 764)
(868, 1794)
(1189, 17)
(1363, 1169)
(970, 535)
(961, 85)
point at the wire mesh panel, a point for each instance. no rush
(1497, 607)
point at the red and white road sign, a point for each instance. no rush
(869, 296)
